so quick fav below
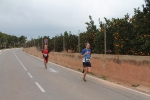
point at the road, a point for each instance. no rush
(23, 77)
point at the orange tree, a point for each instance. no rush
(141, 23)
(109, 36)
(118, 35)
(122, 31)
(83, 40)
(91, 32)
(71, 41)
(59, 43)
(99, 42)
(123, 35)
(51, 44)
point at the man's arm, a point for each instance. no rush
(48, 52)
(83, 53)
(90, 53)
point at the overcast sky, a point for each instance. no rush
(33, 18)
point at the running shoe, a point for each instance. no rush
(45, 67)
(83, 71)
(84, 79)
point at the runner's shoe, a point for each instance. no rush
(84, 79)
(83, 71)
(45, 67)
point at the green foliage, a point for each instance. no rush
(59, 43)
(125, 35)
(91, 32)
(137, 85)
(122, 35)
(71, 41)
(104, 77)
(141, 23)
(7, 41)
(22, 40)
(99, 43)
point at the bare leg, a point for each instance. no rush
(89, 69)
(45, 63)
(85, 72)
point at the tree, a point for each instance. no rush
(147, 4)
(91, 32)
(22, 40)
(123, 35)
(99, 43)
(71, 41)
(141, 23)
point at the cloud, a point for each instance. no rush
(34, 18)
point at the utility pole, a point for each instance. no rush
(0, 44)
(42, 43)
(105, 39)
(5, 45)
(64, 42)
(79, 40)
(34, 42)
(54, 44)
(38, 43)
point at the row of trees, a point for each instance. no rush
(123, 35)
(8, 41)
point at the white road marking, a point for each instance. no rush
(20, 62)
(52, 70)
(95, 78)
(30, 75)
(39, 87)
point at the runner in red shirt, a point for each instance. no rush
(45, 55)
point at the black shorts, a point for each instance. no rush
(86, 64)
(46, 59)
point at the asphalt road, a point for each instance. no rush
(24, 77)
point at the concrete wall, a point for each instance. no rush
(124, 68)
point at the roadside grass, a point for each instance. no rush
(79, 70)
(104, 77)
(135, 85)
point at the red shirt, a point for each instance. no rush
(45, 53)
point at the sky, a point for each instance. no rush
(33, 18)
